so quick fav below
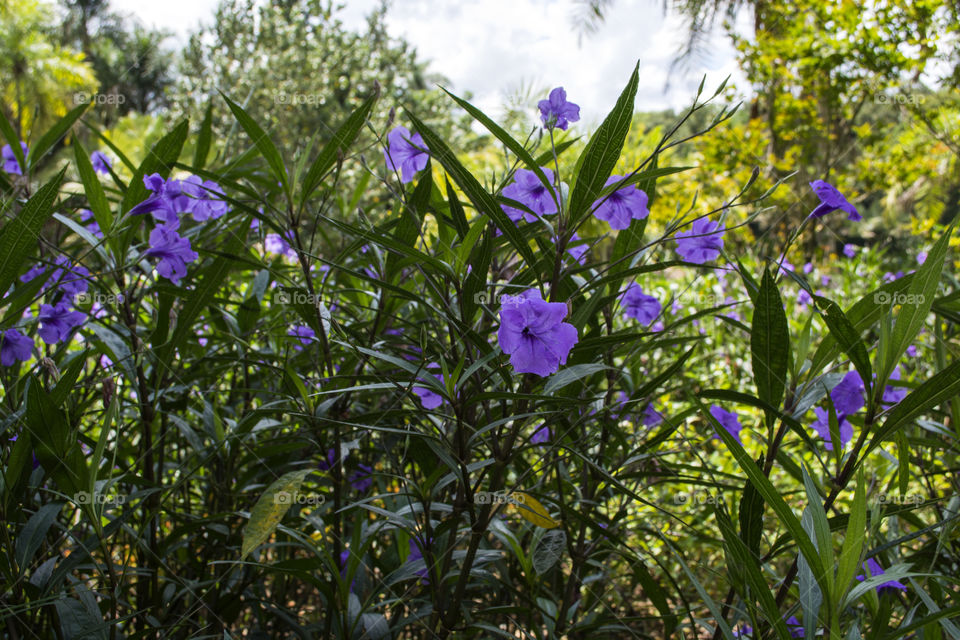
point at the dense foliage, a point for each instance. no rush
(388, 385)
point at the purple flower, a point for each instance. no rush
(208, 199)
(847, 396)
(533, 334)
(892, 395)
(702, 243)
(527, 189)
(302, 333)
(69, 277)
(743, 631)
(729, 421)
(327, 463)
(808, 267)
(87, 216)
(577, 251)
(541, 435)
(32, 273)
(651, 417)
(10, 164)
(804, 298)
(14, 347)
(429, 398)
(174, 253)
(58, 322)
(822, 426)
(416, 555)
(555, 111)
(622, 206)
(912, 351)
(361, 479)
(279, 245)
(831, 200)
(167, 202)
(405, 153)
(850, 250)
(794, 626)
(101, 163)
(344, 557)
(873, 568)
(921, 257)
(640, 306)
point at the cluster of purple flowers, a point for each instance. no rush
(203, 199)
(58, 320)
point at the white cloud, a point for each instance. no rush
(489, 47)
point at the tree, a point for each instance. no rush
(129, 59)
(40, 77)
(297, 70)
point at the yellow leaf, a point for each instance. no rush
(532, 510)
(269, 510)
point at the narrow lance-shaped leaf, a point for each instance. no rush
(847, 337)
(602, 152)
(340, 142)
(916, 305)
(94, 192)
(19, 236)
(482, 201)
(269, 510)
(770, 342)
(54, 134)
(262, 142)
(772, 497)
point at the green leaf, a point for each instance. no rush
(11, 136)
(770, 342)
(549, 550)
(270, 508)
(95, 194)
(407, 230)
(518, 149)
(34, 533)
(336, 148)
(56, 444)
(773, 498)
(913, 313)
(204, 138)
(853, 540)
(20, 235)
(602, 152)
(848, 338)
(862, 315)
(939, 389)
(262, 142)
(750, 515)
(569, 375)
(751, 572)
(53, 135)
